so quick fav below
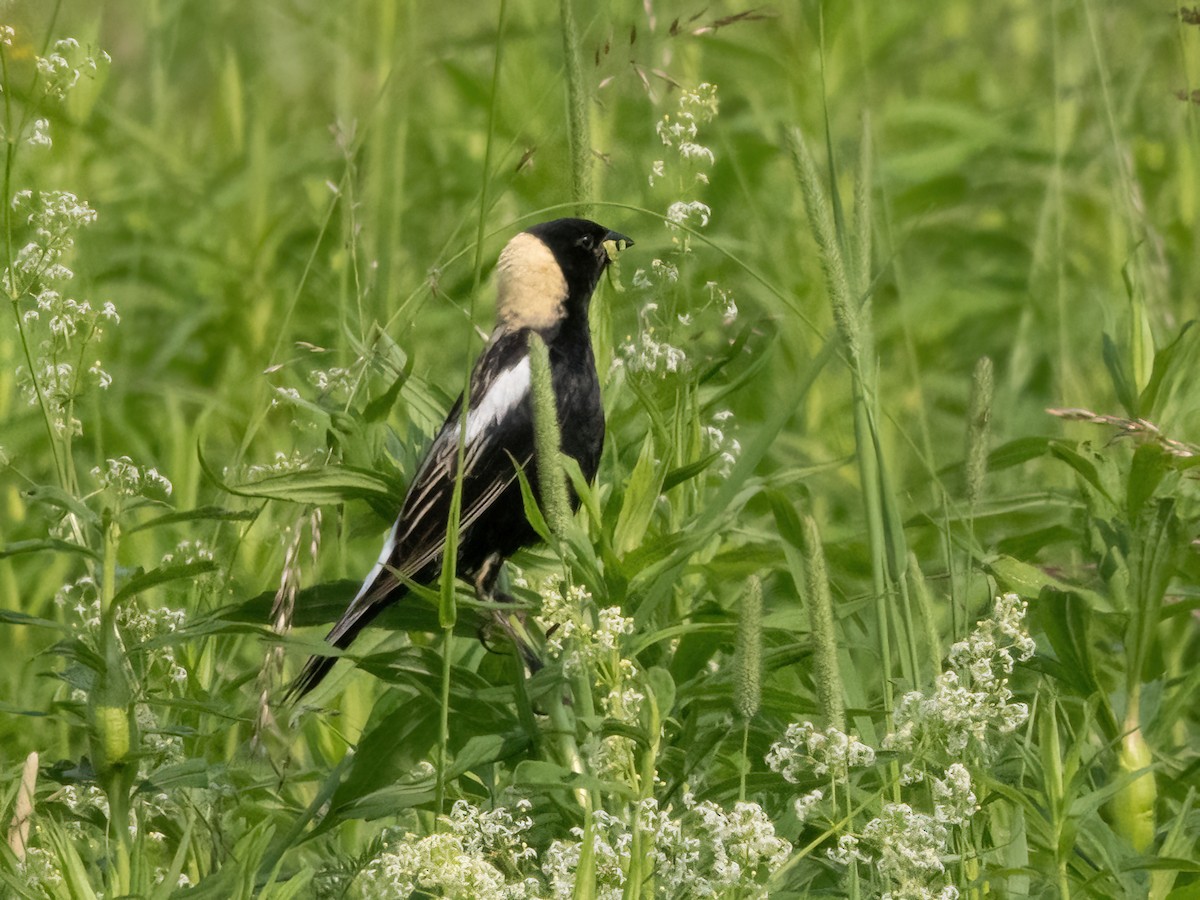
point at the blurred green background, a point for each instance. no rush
(286, 187)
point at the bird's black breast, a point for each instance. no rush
(580, 409)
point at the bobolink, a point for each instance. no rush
(544, 281)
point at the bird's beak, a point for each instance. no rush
(614, 243)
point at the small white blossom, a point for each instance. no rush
(805, 804)
(954, 800)
(40, 135)
(805, 749)
(126, 479)
(681, 212)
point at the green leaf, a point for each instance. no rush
(1150, 465)
(552, 777)
(1017, 452)
(641, 497)
(377, 410)
(74, 873)
(17, 548)
(485, 749)
(164, 575)
(1066, 621)
(399, 733)
(1121, 379)
(203, 513)
(1083, 466)
(53, 496)
(327, 485)
(13, 617)
(686, 473)
(1164, 361)
(533, 512)
(1029, 581)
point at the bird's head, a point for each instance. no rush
(549, 271)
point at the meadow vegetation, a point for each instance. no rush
(888, 583)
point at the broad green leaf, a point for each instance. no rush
(1164, 366)
(401, 731)
(327, 485)
(164, 575)
(641, 497)
(1149, 466)
(1083, 466)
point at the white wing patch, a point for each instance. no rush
(504, 394)
(384, 555)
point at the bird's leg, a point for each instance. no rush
(506, 616)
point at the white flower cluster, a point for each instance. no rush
(65, 317)
(646, 353)
(126, 479)
(66, 64)
(54, 216)
(611, 843)
(187, 552)
(829, 753)
(572, 634)
(480, 855)
(284, 463)
(337, 381)
(972, 696)
(906, 849)
(680, 130)
(70, 325)
(82, 598)
(953, 797)
(79, 596)
(40, 135)
(589, 641)
(718, 438)
(653, 350)
(704, 852)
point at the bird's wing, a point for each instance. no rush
(499, 432)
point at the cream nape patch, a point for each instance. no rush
(531, 290)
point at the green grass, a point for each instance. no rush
(298, 206)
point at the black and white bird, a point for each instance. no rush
(544, 283)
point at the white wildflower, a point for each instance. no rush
(681, 212)
(832, 753)
(40, 135)
(954, 800)
(971, 697)
(804, 805)
(126, 479)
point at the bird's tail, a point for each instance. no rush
(374, 597)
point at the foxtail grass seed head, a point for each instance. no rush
(747, 659)
(916, 580)
(547, 437)
(578, 132)
(978, 427)
(820, 218)
(826, 673)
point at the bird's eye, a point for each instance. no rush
(586, 242)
